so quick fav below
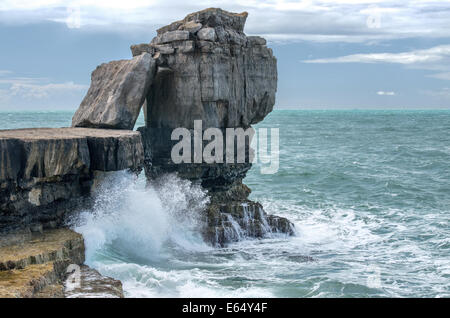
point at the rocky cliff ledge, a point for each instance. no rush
(48, 173)
(45, 175)
(200, 68)
(39, 265)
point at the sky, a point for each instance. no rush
(343, 54)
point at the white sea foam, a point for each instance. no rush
(139, 221)
(149, 239)
(147, 281)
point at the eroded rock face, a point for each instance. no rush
(39, 248)
(211, 71)
(38, 263)
(213, 17)
(116, 95)
(46, 173)
(235, 219)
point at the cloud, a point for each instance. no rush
(434, 59)
(279, 20)
(4, 72)
(45, 90)
(386, 93)
(442, 93)
(34, 88)
(431, 55)
(442, 76)
(38, 93)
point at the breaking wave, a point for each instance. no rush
(129, 219)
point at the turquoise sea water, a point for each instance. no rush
(368, 191)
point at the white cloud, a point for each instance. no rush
(34, 88)
(286, 20)
(434, 59)
(44, 90)
(41, 93)
(386, 93)
(431, 55)
(442, 76)
(442, 93)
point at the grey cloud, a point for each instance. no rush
(320, 20)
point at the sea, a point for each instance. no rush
(368, 192)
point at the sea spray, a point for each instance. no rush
(354, 227)
(132, 220)
(184, 203)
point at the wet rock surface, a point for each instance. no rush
(233, 217)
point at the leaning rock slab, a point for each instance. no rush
(191, 26)
(116, 95)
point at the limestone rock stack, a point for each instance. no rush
(202, 68)
(209, 70)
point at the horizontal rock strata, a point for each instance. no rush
(209, 70)
(37, 267)
(39, 248)
(40, 261)
(46, 173)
